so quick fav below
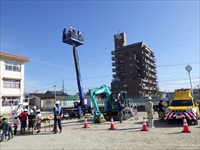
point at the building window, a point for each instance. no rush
(130, 58)
(125, 85)
(121, 62)
(14, 84)
(48, 102)
(12, 66)
(10, 101)
(121, 55)
(131, 53)
(131, 72)
(116, 86)
(130, 65)
(122, 67)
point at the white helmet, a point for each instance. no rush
(57, 102)
(34, 107)
(25, 109)
(149, 98)
(38, 110)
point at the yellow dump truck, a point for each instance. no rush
(183, 105)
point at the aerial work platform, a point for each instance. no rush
(72, 38)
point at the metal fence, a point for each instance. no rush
(138, 101)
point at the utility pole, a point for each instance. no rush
(63, 86)
(55, 92)
(189, 68)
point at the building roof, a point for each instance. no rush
(15, 57)
(53, 92)
(49, 94)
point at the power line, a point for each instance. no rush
(178, 64)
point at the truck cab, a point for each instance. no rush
(183, 105)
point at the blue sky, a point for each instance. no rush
(33, 29)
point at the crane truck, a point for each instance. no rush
(76, 39)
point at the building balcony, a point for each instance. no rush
(114, 76)
(113, 53)
(116, 80)
(153, 54)
(147, 49)
(114, 59)
(152, 59)
(114, 64)
(155, 77)
(153, 71)
(145, 87)
(154, 83)
(114, 70)
(144, 80)
(152, 64)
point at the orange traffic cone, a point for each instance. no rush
(85, 124)
(112, 125)
(185, 126)
(144, 126)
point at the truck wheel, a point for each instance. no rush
(195, 122)
(82, 113)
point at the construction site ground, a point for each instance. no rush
(127, 135)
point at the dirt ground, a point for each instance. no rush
(127, 135)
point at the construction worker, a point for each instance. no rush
(31, 121)
(120, 110)
(161, 111)
(34, 111)
(150, 112)
(57, 117)
(23, 118)
(39, 119)
(16, 123)
(7, 129)
(34, 108)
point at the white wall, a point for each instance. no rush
(9, 91)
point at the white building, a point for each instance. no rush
(11, 81)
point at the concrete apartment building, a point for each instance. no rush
(12, 81)
(134, 68)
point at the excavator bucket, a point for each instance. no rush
(99, 120)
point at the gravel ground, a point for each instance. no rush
(128, 135)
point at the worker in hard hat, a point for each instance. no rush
(150, 112)
(120, 108)
(31, 120)
(34, 108)
(39, 119)
(16, 123)
(57, 117)
(23, 118)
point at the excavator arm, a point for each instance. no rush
(98, 116)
